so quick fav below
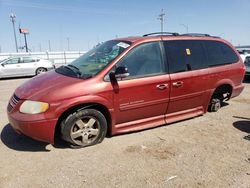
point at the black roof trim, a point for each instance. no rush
(162, 33)
(198, 35)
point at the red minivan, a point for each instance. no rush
(128, 84)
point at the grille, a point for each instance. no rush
(13, 102)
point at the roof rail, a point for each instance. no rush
(198, 35)
(161, 33)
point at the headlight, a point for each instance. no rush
(33, 107)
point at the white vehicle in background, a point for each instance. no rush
(246, 59)
(243, 56)
(24, 66)
(247, 64)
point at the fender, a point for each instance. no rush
(216, 85)
(88, 99)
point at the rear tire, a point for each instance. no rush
(83, 128)
(215, 105)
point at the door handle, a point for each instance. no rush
(178, 84)
(162, 86)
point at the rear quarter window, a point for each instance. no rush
(219, 53)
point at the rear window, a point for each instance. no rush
(185, 55)
(219, 53)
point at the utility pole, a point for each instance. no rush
(40, 47)
(68, 43)
(12, 19)
(161, 18)
(24, 32)
(26, 44)
(49, 46)
(20, 40)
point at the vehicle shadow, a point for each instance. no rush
(223, 104)
(243, 125)
(20, 142)
(15, 78)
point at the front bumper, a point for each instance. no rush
(51, 68)
(37, 126)
(42, 130)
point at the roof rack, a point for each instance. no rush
(198, 35)
(161, 33)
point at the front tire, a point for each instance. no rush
(85, 127)
(40, 70)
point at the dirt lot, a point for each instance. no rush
(208, 151)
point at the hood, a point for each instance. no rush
(52, 86)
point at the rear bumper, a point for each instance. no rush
(237, 90)
(42, 130)
(51, 68)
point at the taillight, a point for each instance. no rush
(243, 70)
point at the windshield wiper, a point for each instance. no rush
(76, 72)
(86, 76)
(74, 69)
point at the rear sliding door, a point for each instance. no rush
(188, 79)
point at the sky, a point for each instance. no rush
(81, 24)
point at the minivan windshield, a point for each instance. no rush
(94, 61)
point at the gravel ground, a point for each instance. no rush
(207, 151)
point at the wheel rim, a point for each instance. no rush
(85, 131)
(217, 106)
(39, 71)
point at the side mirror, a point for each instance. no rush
(121, 72)
(3, 64)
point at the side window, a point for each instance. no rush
(143, 60)
(219, 53)
(27, 60)
(185, 55)
(13, 61)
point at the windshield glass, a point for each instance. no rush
(4, 60)
(92, 62)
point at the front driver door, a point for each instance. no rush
(142, 98)
(11, 67)
(28, 65)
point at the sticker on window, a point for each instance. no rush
(123, 44)
(188, 52)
